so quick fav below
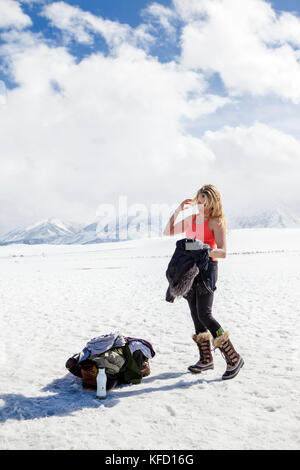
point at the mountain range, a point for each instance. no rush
(54, 231)
(279, 217)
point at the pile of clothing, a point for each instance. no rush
(125, 359)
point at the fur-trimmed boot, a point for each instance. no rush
(206, 360)
(234, 361)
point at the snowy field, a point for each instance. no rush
(55, 298)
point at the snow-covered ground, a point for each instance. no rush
(55, 298)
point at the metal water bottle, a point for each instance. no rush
(101, 383)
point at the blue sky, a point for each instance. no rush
(118, 91)
(286, 5)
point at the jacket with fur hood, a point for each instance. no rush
(187, 266)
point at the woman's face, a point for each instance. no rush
(201, 199)
(202, 204)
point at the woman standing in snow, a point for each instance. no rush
(212, 231)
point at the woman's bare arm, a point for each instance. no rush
(220, 237)
(174, 229)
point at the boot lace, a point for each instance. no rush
(229, 354)
(205, 351)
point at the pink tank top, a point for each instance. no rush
(198, 230)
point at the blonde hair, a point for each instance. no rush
(213, 201)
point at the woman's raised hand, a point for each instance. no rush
(186, 202)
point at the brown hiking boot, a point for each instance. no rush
(234, 361)
(206, 360)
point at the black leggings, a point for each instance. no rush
(201, 306)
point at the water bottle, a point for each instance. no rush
(101, 383)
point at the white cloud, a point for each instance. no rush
(205, 103)
(257, 166)
(162, 15)
(252, 48)
(78, 134)
(11, 15)
(83, 25)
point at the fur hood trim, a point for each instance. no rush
(186, 282)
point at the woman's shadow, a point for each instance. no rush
(67, 396)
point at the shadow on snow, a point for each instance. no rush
(68, 397)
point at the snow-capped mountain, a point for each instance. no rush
(279, 217)
(44, 231)
(54, 231)
(111, 231)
